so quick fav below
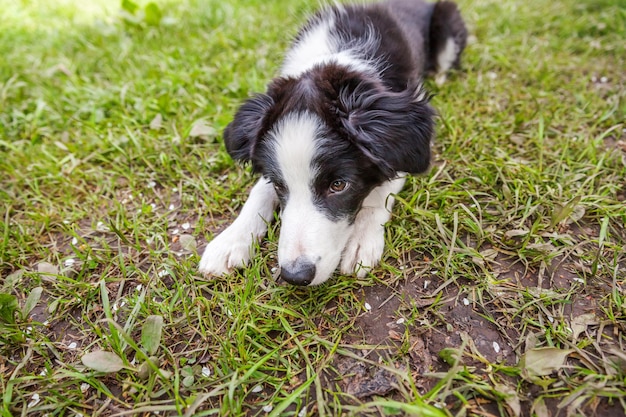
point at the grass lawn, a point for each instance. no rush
(502, 291)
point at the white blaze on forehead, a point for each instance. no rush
(306, 234)
(294, 148)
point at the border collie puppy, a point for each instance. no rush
(335, 134)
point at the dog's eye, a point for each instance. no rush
(338, 186)
(280, 189)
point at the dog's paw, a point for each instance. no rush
(230, 249)
(363, 251)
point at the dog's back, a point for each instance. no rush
(404, 39)
(435, 32)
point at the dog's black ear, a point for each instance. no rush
(242, 134)
(393, 129)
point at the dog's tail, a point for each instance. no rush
(447, 37)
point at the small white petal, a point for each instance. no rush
(603, 79)
(400, 320)
(174, 190)
(185, 226)
(101, 227)
(257, 389)
(302, 412)
(151, 184)
(496, 347)
(34, 400)
(206, 371)
(74, 240)
(274, 269)
(426, 284)
(368, 307)
(69, 262)
(466, 301)
(72, 345)
(175, 231)
(84, 387)
(551, 319)
(172, 207)
(43, 372)
(268, 408)
(139, 287)
(162, 273)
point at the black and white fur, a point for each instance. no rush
(335, 134)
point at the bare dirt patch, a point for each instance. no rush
(489, 332)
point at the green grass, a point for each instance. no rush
(112, 174)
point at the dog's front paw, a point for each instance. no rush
(230, 249)
(364, 250)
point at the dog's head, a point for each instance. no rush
(325, 140)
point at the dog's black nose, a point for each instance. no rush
(300, 273)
